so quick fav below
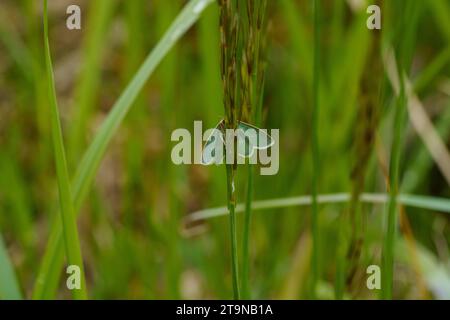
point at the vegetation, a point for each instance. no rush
(86, 176)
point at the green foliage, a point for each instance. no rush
(342, 142)
(70, 231)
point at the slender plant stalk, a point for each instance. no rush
(230, 64)
(252, 81)
(408, 24)
(248, 216)
(50, 269)
(70, 231)
(246, 235)
(315, 150)
(394, 168)
(388, 257)
(352, 224)
(233, 230)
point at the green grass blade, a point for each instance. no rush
(315, 149)
(91, 161)
(406, 34)
(9, 287)
(256, 89)
(92, 158)
(429, 74)
(425, 202)
(417, 170)
(233, 231)
(441, 11)
(246, 294)
(388, 256)
(70, 231)
(408, 200)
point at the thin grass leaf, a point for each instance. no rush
(422, 160)
(315, 149)
(9, 287)
(51, 265)
(408, 200)
(425, 202)
(92, 158)
(230, 61)
(70, 231)
(441, 11)
(406, 33)
(432, 70)
(233, 233)
(392, 210)
(246, 294)
(351, 242)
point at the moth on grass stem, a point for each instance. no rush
(242, 28)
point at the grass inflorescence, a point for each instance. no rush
(254, 29)
(229, 30)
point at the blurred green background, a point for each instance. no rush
(133, 239)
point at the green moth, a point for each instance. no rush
(248, 138)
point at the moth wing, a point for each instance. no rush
(247, 138)
(265, 141)
(214, 142)
(262, 140)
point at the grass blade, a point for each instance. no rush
(441, 12)
(246, 235)
(424, 202)
(93, 156)
(253, 95)
(233, 233)
(9, 287)
(315, 149)
(70, 231)
(406, 34)
(394, 170)
(50, 268)
(409, 200)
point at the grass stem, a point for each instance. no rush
(233, 231)
(246, 235)
(408, 24)
(315, 149)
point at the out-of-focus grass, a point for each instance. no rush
(9, 286)
(131, 227)
(68, 218)
(315, 145)
(406, 40)
(89, 81)
(93, 156)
